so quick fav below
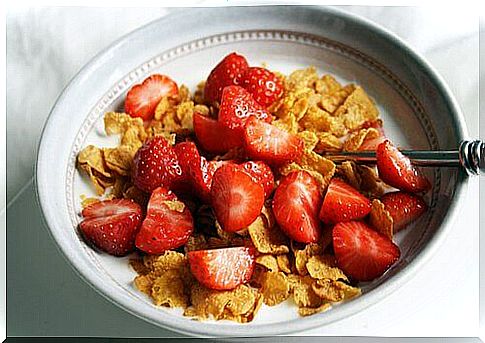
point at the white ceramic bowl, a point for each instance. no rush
(417, 108)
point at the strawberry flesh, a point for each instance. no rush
(264, 86)
(226, 73)
(396, 170)
(263, 141)
(222, 269)
(237, 105)
(155, 164)
(111, 225)
(296, 203)
(343, 203)
(361, 252)
(168, 223)
(404, 208)
(142, 99)
(213, 136)
(236, 198)
(262, 174)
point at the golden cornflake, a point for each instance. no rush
(308, 311)
(287, 123)
(303, 255)
(196, 242)
(119, 159)
(266, 239)
(324, 267)
(334, 291)
(168, 289)
(327, 85)
(275, 288)
(303, 293)
(268, 261)
(303, 78)
(239, 304)
(330, 102)
(327, 142)
(319, 120)
(283, 263)
(309, 138)
(357, 109)
(380, 219)
(324, 167)
(356, 139)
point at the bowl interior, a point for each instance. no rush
(407, 98)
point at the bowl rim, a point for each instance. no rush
(209, 329)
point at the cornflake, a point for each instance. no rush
(380, 219)
(275, 288)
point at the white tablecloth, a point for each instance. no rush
(46, 47)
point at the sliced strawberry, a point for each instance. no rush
(168, 223)
(143, 98)
(361, 252)
(213, 136)
(237, 105)
(343, 203)
(155, 164)
(404, 208)
(222, 269)
(226, 73)
(196, 170)
(111, 225)
(396, 170)
(262, 174)
(263, 141)
(264, 86)
(236, 198)
(296, 203)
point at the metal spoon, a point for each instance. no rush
(470, 155)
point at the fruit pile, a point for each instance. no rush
(226, 197)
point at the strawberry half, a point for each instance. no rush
(264, 86)
(396, 170)
(142, 99)
(361, 252)
(237, 105)
(111, 225)
(296, 202)
(226, 73)
(236, 198)
(155, 164)
(196, 170)
(213, 136)
(222, 269)
(404, 208)
(263, 141)
(168, 223)
(262, 174)
(343, 203)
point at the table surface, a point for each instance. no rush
(47, 46)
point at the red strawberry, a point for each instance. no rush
(168, 223)
(213, 136)
(196, 170)
(262, 174)
(143, 98)
(263, 141)
(236, 198)
(237, 105)
(226, 73)
(111, 225)
(296, 202)
(396, 170)
(155, 164)
(403, 207)
(263, 85)
(343, 203)
(222, 269)
(361, 252)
